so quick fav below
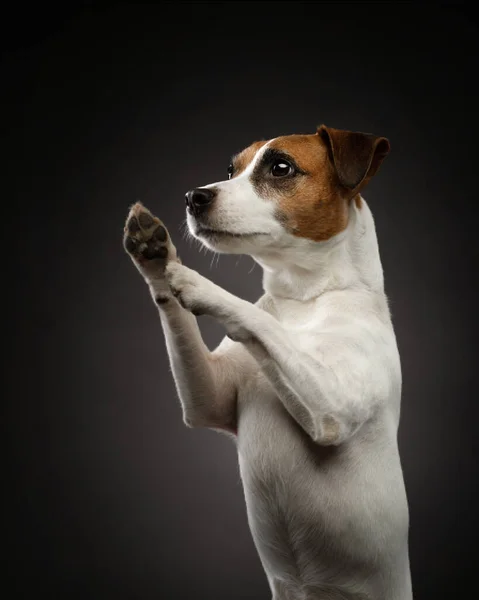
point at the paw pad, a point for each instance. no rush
(145, 237)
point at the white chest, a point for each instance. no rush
(296, 316)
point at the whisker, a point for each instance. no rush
(212, 260)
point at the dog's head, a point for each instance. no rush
(295, 186)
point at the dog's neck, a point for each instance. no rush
(303, 269)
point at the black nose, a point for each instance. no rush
(199, 199)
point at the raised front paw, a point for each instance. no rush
(193, 291)
(148, 243)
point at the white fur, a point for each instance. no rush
(314, 378)
(241, 211)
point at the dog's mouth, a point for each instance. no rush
(218, 233)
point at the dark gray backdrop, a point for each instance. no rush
(109, 494)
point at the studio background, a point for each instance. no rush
(108, 494)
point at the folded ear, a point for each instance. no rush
(356, 157)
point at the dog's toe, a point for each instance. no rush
(132, 224)
(160, 234)
(145, 219)
(131, 245)
(146, 239)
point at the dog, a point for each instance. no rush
(307, 380)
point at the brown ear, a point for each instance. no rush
(356, 156)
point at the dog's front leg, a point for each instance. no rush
(205, 381)
(322, 400)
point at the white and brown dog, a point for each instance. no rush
(308, 379)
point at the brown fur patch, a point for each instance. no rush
(358, 201)
(244, 158)
(315, 208)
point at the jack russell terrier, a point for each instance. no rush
(307, 380)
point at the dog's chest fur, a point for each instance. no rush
(291, 483)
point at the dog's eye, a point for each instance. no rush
(230, 171)
(281, 168)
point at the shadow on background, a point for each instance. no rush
(110, 495)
